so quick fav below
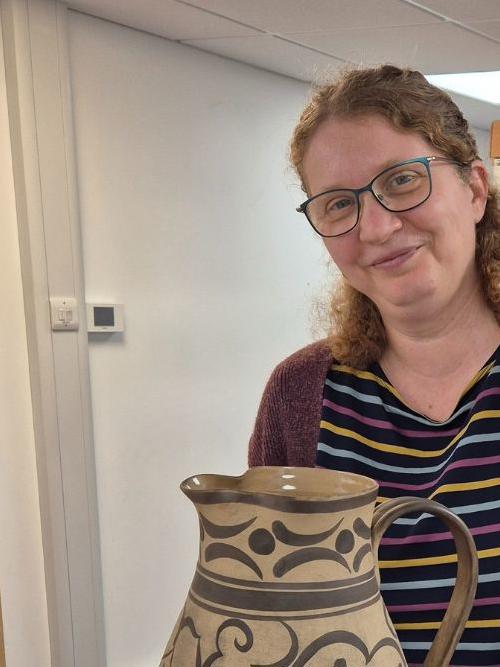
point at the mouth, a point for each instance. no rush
(396, 258)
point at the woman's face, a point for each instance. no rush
(419, 260)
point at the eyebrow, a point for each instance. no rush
(386, 165)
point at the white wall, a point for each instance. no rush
(187, 214)
(483, 144)
(187, 218)
(22, 582)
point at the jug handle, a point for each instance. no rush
(455, 618)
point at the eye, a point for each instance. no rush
(402, 181)
(337, 206)
(340, 204)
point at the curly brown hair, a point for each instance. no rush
(408, 101)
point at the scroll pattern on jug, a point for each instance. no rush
(243, 606)
(336, 649)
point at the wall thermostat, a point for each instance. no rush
(104, 317)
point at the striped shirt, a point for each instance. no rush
(366, 428)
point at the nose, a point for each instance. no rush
(376, 224)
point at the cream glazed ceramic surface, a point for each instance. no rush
(286, 575)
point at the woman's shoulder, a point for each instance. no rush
(287, 424)
(306, 364)
(318, 352)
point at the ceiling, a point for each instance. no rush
(307, 39)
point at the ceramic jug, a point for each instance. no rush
(287, 574)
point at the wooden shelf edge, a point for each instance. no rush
(495, 139)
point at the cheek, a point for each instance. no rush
(330, 248)
(342, 250)
(453, 231)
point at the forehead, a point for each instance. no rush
(349, 152)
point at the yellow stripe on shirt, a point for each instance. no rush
(434, 625)
(478, 376)
(407, 451)
(366, 375)
(452, 488)
(433, 560)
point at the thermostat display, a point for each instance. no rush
(104, 317)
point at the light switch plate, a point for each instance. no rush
(64, 313)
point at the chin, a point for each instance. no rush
(416, 298)
(412, 291)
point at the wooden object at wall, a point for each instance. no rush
(495, 150)
(2, 647)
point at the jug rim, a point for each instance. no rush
(352, 490)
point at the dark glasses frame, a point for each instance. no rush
(426, 161)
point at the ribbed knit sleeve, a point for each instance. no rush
(267, 446)
(287, 425)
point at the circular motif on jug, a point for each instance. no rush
(261, 542)
(344, 542)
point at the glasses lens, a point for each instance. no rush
(403, 187)
(333, 213)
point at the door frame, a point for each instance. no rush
(35, 37)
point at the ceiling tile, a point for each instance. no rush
(462, 10)
(273, 54)
(435, 48)
(282, 16)
(163, 17)
(491, 28)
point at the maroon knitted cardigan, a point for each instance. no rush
(288, 421)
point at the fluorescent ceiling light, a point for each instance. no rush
(484, 86)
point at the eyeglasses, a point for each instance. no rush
(399, 188)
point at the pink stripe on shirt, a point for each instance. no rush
(437, 537)
(466, 463)
(380, 423)
(484, 602)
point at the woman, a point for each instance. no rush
(406, 389)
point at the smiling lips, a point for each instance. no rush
(395, 258)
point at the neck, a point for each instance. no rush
(439, 345)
